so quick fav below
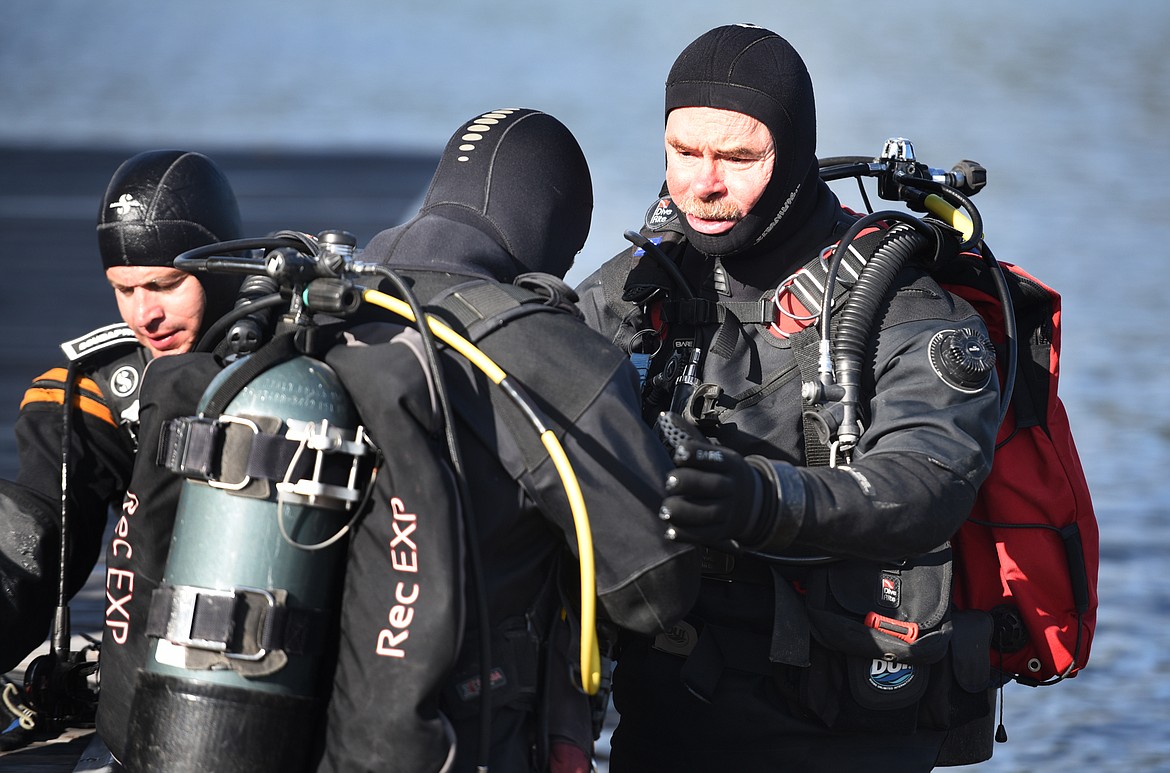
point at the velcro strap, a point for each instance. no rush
(759, 312)
(231, 451)
(243, 623)
(701, 311)
(690, 311)
(482, 307)
(483, 300)
(191, 446)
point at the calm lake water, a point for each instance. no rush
(1065, 103)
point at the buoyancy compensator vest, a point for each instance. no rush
(403, 609)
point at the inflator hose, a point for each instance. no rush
(842, 360)
(590, 652)
(855, 321)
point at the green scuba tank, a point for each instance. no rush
(244, 620)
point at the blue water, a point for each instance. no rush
(1065, 103)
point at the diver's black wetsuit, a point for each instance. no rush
(157, 204)
(101, 454)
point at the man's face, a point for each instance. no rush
(163, 306)
(718, 163)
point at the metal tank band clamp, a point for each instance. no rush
(249, 630)
(309, 462)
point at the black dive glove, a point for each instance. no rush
(714, 495)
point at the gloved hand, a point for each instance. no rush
(714, 495)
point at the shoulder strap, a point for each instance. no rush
(482, 306)
(808, 284)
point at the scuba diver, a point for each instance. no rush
(157, 205)
(770, 671)
(459, 631)
(512, 196)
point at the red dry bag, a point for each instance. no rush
(1029, 552)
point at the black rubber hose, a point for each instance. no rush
(840, 171)
(61, 628)
(855, 322)
(197, 259)
(663, 259)
(1010, 330)
(209, 339)
(471, 530)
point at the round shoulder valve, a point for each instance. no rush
(963, 358)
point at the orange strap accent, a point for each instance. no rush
(56, 394)
(907, 632)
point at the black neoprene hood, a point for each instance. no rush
(520, 176)
(162, 203)
(753, 71)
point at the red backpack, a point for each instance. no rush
(1029, 552)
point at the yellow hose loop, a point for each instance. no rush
(951, 215)
(590, 652)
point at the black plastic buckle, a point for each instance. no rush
(191, 446)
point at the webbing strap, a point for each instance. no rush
(482, 307)
(701, 311)
(808, 284)
(806, 349)
(243, 622)
(279, 349)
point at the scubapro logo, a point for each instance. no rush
(885, 675)
(125, 205)
(124, 381)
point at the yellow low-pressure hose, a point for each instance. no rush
(590, 653)
(953, 216)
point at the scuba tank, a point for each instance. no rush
(239, 622)
(242, 627)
